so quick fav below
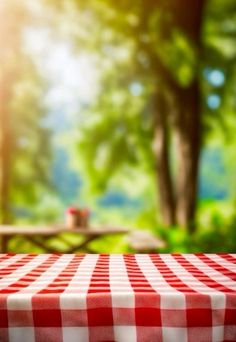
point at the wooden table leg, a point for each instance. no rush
(39, 243)
(83, 244)
(4, 243)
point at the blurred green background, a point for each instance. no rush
(125, 107)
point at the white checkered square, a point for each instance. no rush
(75, 334)
(19, 301)
(21, 334)
(174, 334)
(125, 333)
(173, 301)
(73, 301)
(218, 300)
(218, 334)
(121, 289)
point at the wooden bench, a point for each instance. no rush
(143, 241)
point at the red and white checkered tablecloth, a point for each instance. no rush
(123, 298)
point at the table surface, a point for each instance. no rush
(57, 229)
(85, 297)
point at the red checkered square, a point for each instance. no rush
(230, 317)
(4, 334)
(147, 300)
(20, 318)
(3, 318)
(101, 334)
(47, 318)
(197, 300)
(74, 318)
(199, 317)
(230, 333)
(100, 317)
(3, 301)
(124, 316)
(231, 300)
(51, 334)
(173, 318)
(95, 300)
(203, 334)
(46, 301)
(149, 334)
(148, 317)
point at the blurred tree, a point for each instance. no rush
(163, 43)
(158, 53)
(157, 60)
(24, 140)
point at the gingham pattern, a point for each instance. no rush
(123, 298)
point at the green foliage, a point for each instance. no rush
(31, 140)
(215, 233)
(220, 55)
(28, 146)
(117, 136)
(131, 38)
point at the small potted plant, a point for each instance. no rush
(77, 218)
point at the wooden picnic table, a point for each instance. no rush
(39, 235)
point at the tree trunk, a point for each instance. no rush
(163, 172)
(188, 149)
(178, 204)
(188, 17)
